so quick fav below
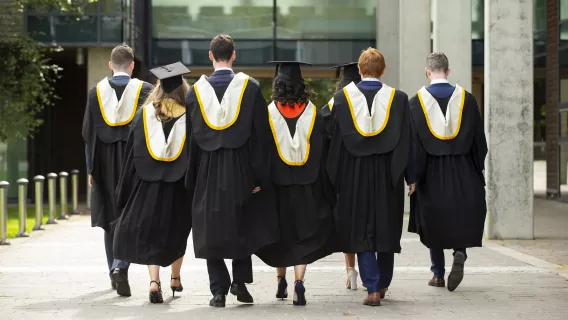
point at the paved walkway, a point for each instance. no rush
(60, 274)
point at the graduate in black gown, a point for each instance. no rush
(233, 203)
(111, 106)
(304, 195)
(350, 74)
(155, 222)
(450, 153)
(366, 163)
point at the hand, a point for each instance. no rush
(411, 188)
(256, 189)
(90, 180)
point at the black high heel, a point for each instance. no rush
(282, 291)
(299, 293)
(178, 288)
(156, 296)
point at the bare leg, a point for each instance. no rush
(154, 276)
(176, 270)
(349, 260)
(281, 272)
(351, 282)
(299, 272)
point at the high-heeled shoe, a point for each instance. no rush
(156, 296)
(352, 275)
(299, 293)
(176, 288)
(282, 291)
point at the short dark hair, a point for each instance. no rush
(437, 61)
(121, 56)
(222, 47)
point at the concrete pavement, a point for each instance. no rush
(60, 273)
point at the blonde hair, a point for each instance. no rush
(162, 100)
(372, 63)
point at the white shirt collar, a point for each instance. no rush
(223, 68)
(439, 81)
(370, 79)
(116, 74)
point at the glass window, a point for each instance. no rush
(83, 6)
(563, 9)
(477, 19)
(326, 19)
(539, 22)
(196, 52)
(63, 29)
(110, 6)
(321, 52)
(202, 19)
(111, 29)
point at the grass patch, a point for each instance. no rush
(14, 222)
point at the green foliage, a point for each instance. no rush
(28, 78)
(26, 85)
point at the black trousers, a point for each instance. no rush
(219, 278)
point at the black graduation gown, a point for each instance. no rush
(368, 177)
(449, 201)
(155, 222)
(106, 146)
(229, 221)
(304, 203)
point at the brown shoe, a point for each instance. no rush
(437, 282)
(373, 300)
(383, 292)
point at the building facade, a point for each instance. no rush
(476, 35)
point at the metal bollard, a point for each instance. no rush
(63, 195)
(4, 212)
(22, 207)
(75, 191)
(88, 193)
(51, 189)
(38, 202)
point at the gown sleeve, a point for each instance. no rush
(259, 141)
(335, 148)
(420, 154)
(400, 154)
(327, 119)
(328, 190)
(479, 146)
(125, 182)
(89, 136)
(410, 172)
(194, 151)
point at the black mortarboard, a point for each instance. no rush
(350, 71)
(170, 75)
(290, 69)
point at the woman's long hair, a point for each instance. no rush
(290, 91)
(164, 101)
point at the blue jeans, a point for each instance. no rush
(376, 270)
(439, 261)
(111, 261)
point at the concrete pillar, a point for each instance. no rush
(388, 39)
(403, 36)
(509, 118)
(415, 44)
(452, 36)
(97, 65)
